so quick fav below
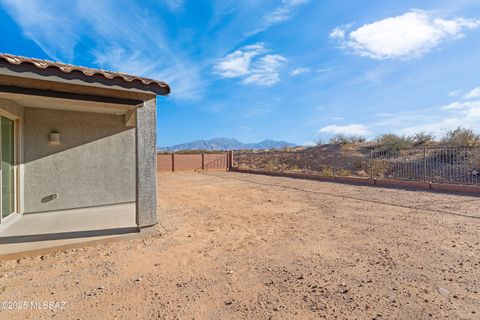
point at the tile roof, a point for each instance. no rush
(68, 68)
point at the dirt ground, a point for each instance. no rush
(239, 246)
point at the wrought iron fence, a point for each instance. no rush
(448, 165)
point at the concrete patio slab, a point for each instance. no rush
(66, 228)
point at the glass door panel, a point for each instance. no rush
(8, 166)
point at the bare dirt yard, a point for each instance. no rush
(239, 246)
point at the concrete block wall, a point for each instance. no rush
(187, 162)
(442, 187)
(192, 162)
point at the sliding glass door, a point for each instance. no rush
(8, 170)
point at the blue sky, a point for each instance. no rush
(294, 70)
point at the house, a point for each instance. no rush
(78, 152)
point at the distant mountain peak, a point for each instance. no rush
(227, 144)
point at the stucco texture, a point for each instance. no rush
(93, 165)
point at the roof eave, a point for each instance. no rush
(58, 72)
(28, 76)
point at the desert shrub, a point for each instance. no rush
(461, 137)
(342, 172)
(423, 139)
(358, 164)
(393, 141)
(344, 139)
(379, 168)
(270, 166)
(327, 171)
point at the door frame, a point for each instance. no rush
(17, 160)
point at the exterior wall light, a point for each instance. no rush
(54, 137)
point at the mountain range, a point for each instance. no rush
(227, 144)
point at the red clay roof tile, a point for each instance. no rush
(68, 68)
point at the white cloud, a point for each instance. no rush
(252, 64)
(339, 32)
(299, 71)
(470, 110)
(453, 93)
(266, 70)
(406, 36)
(238, 63)
(475, 93)
(351, 129)
(40, 22)
(283, 12)
(174, 5)
(309, 144)
(116, 45)
(279, 14)
(437, 120)
(324, 70)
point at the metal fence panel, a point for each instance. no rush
(447, 165)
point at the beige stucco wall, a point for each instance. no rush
(11, 107)
(94, 164)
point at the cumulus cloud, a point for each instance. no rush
(475, 93)
(351, 129)
(406, 36)
(447, 117)
(299, 71)
(253, 64)
(238, 63)
(266, 70)
(469, 109)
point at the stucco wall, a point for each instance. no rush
(11, 107)
(94, 164)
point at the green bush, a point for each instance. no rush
(393, 141)
(327, 171)
(423, 139)
(269, 166)
(461, 137)
(342, 172)
(379, 168)
(344, 139)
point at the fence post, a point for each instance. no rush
(305, 162)
(371, 164)
(264, 162)
(283, 152)
(173, 162)
(230, 165)
(203, 161)
(424, 164)
(335, 164)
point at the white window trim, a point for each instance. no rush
(18, 160)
